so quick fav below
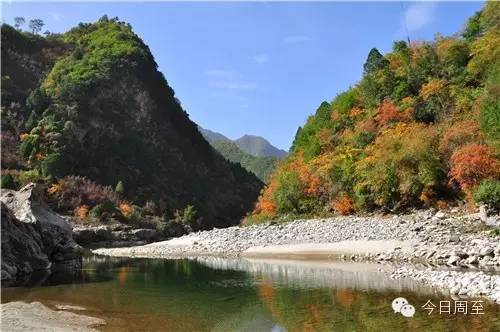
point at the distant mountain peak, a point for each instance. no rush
(259, 146)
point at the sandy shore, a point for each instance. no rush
(328, 250)
(22, 317)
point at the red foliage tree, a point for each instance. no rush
(471, 164)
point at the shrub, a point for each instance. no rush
(488, 193)
(100, 209)
(388, 113)
(471, 164)
(400, 165)
(7, 182)
(457, 135)
(188, 215)
(126, 208)
(33, 175)
(73, 191)
(82, 211)
(343, 205)
(120, 188)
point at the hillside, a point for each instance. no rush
(260, 166)
(421, 128)
(212, 136)
(259, 147)
(91, 103)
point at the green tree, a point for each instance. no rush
(19, 22)
(120, 188)
(374, 62)
(36, 25)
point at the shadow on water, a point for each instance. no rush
(210, 294)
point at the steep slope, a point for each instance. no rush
(105, 112)
(259, 147)
(421, 128)
(260, 166)
(212, 136)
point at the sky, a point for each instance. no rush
(259, 68)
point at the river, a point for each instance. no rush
(210, 294)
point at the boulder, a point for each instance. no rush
(92, 234)
(34, 238)
(145, 234)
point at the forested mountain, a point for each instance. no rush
(91, 103)
(421, 128)
(260, 165)
(212, 136)
(259, 147)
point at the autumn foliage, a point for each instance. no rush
(343, 205)
(418, 130)
(473, 163)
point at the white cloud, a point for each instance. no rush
(419, 14)
(234, 85)
(261, 58)
(295, 39)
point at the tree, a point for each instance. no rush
(374, 62)
(120, 188)
(36, 25)
(18, 22)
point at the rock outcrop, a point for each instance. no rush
(115, 236)
(34, 238)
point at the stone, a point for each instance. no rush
(472, 260)
(440, 215)
(486, 251)
(93, 234)
(145, 234)
(34, 238)
(453, 260)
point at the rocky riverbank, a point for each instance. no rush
(34, 238)
(439, 238)
(454, 240)
(21, 317)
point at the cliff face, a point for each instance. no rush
(104, 111)
(34, 238)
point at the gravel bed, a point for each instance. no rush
(438, 239)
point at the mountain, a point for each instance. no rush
(260, 166)
(259, 146)
(421, 128)
(212, 136)
(91, 103)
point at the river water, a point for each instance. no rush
(210, 294)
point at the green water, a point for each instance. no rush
(245, 295)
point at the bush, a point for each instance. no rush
(471, 164)
(343, 205)
(401, 164)
(457, 135)
(488, 193)
(33, 175)
(7, 182)
(108, 207)
(73, 191)
(187, 216)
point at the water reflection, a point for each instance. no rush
(246, 295)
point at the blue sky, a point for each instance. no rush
(259, 68)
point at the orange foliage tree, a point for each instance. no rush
(388, 113)
(473, 163)
(457, 135)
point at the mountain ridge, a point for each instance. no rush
(101, 109)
